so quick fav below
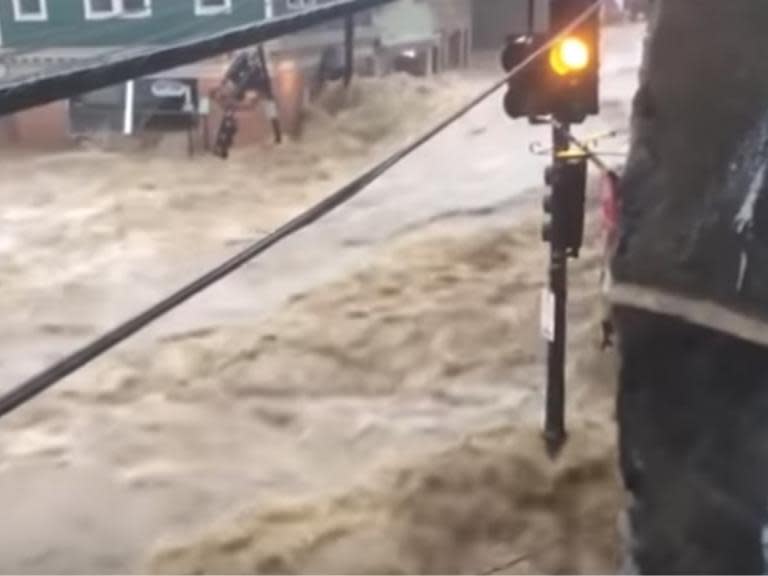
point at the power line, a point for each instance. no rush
(68, 83)
(66, 366)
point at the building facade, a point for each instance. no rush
(420, 36)
(41, 35)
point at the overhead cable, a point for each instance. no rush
(76, 360)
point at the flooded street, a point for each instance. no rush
(365, 398)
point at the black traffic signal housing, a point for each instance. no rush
(523, 99)
(565, 203)
(575, 92)
(563, 80)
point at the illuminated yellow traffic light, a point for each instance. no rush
(570, 55)
(556, 75)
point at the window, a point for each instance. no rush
(208, 7)
(30, 10)
(101, 9)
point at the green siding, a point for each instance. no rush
(280, 7)
(170, 20)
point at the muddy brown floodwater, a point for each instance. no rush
(388, 422)
(448, 323)
(385, 421)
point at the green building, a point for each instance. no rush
(420, 36)
(94, 23)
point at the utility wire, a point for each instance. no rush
(66, 366)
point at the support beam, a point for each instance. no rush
(271, 103)
(349, 49)
(130, 92)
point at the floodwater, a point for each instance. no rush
(364, 399)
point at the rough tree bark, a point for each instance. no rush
(691, 273)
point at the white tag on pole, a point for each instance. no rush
(548, 315)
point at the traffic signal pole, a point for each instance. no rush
(554, 79)
(556, 300)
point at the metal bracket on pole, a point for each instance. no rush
(583, 146)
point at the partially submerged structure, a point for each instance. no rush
(42, 35)
(39, 36)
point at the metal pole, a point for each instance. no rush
(128, 115)
(349, 49)
(271, 104)
(554, 426)
(531, 17)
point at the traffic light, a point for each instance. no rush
(574, 61)
(522, 99)
(565, 204)
(563, 80)
(556, 75)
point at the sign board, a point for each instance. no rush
(548, 315)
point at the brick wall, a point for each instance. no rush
(45, 127)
